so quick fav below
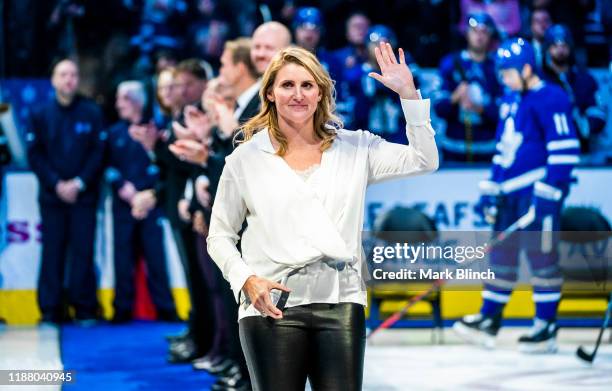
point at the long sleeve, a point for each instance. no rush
(93, 164)
(228, 213)
(37, 155)
(388, 160)
(561, 140)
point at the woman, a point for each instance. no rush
(300, 181)
(168, 103)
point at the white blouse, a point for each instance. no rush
(317, 222)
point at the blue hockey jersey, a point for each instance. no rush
(536, 140)
(468, 135)
(588, 114)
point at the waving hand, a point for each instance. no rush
(395, 76)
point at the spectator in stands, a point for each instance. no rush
(162, 26)
(379, 104)
(468, 98)
(355, 52)
(131, 171)
(588, 113)
(209, 30)
(307, 29)
(540, 21)
(424, 28)
(65, 151)
(505, 13)
(351, 59)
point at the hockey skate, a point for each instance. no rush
(478, 329)
(542, 338)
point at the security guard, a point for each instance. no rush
(65, 150)
(131, 171)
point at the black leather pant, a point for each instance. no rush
(324, 342)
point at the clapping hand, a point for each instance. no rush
(225, 118)
(197, 125)
(395, 76)
(190, 150)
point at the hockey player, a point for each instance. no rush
(588, 116)
(307, 29)
(468, 98)
(536, 151)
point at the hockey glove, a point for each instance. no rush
(490, 200)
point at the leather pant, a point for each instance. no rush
(322, 342)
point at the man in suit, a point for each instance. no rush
(239, 80)
(191, 78)
(65, 150)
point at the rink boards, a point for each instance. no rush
(448, 196)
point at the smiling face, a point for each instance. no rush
(267, 40)
(295, 94)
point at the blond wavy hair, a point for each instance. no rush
(325, 121)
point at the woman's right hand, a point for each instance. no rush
(258, 291)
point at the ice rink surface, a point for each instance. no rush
(407, 360)
(403, 359)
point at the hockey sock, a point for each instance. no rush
(546, 304)
(494, 302)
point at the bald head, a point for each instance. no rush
(65, 80)
(268, 39)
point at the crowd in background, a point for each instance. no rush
(120, 40)
(172, 80)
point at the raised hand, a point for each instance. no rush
(395, 76)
